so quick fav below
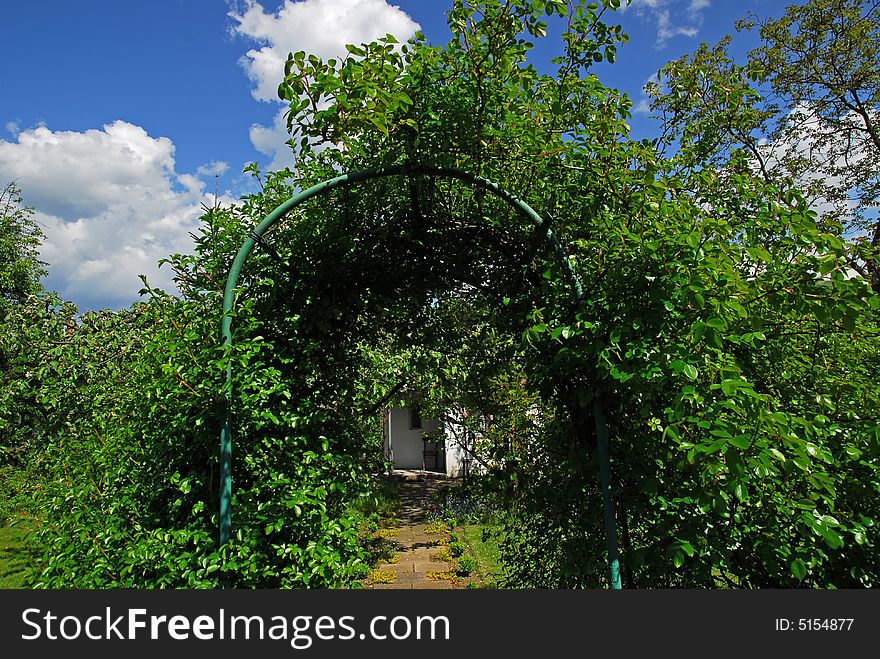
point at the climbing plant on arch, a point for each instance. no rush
(736, 357)
(256, 237)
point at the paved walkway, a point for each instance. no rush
(414, 542)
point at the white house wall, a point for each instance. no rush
(407, 447)
(459, 445)
(404, 446)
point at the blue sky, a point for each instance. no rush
(118, 119)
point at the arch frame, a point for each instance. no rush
(255, 237)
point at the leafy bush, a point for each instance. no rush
(718, 325)
(464, 565)
(134, 402)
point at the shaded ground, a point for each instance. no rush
(416, 551)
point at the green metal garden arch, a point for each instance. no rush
(256, 236)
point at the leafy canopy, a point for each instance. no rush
(721, 330)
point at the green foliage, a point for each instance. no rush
(804, 108)
(130, 405)
(721, 329)
(713, 328)
(464, 565)
(20, 271)
(20, 267)
(776, 410)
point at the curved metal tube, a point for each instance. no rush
(350, 179)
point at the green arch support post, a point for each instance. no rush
(366, 175)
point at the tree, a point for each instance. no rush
(717, 327)
(716, 312)
(20, 238)
(822, 62)
(813, 116)
(20, 272)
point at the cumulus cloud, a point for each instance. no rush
(213, 168)
(823, 157)
(111, 205)
(13, 128)
(272, 141)
(672, 18)
(319, 27)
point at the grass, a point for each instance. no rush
(471, 548)
(485, 551)
(18, 564)
(471, 551)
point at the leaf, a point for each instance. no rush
(853, 453)
(741, 442)
(678, 558)
(776, 453)
(798, 569)
(832, 537)
(729, 387)
(690, 371)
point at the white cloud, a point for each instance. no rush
(642, 107)
(213, 168)
(13, 128)
(319, 27)
(826, 157)
(272, 141)
(111, 205)
(672, 18)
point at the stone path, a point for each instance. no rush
(414, 541)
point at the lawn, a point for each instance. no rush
(17, 561)
(483, 547)
(17, 564)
